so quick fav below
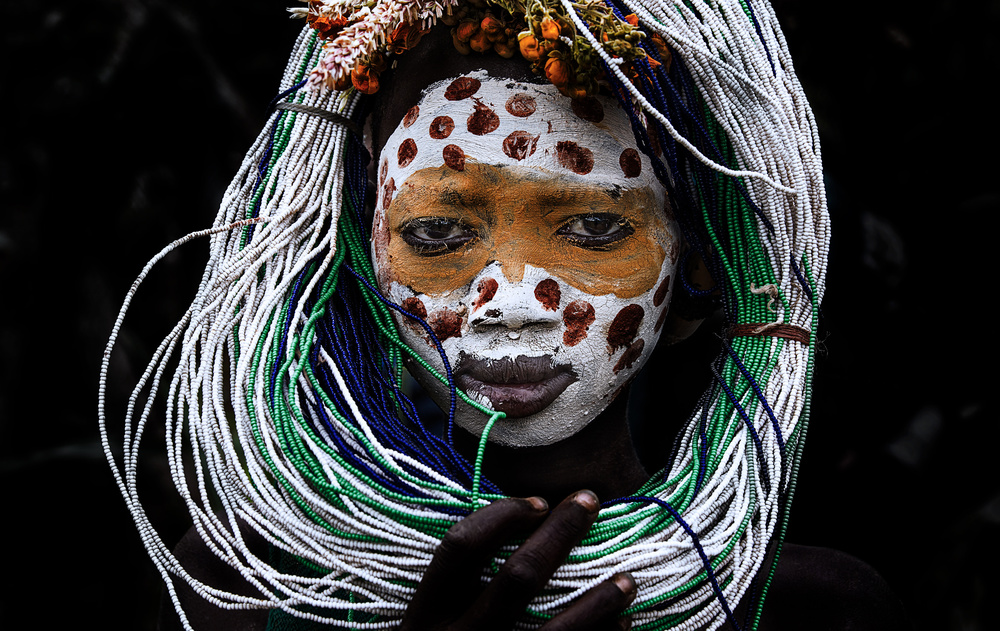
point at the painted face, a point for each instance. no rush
(534, 239)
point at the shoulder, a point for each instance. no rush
(828, 590)
(202, 564)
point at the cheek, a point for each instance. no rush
(445, 315)
(381, 239)
(446, 323)
(577, 317)
(612, 336)
(624, 327)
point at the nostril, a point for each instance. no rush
(487, 318)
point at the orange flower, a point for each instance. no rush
(573, 92)
(364, 80)
(632, 19)
(480, 42)
(343, 82)
(550, 29)
(505, 48)
(460, 46)
(466, 29)
(327, 27)
(491, 25)
(404, 37)
(557, 71)
(529, 47)
(661, 47)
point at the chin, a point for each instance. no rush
(572, 410)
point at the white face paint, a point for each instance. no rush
(535, 240)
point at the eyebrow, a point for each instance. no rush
(577, 195)
(461, 196)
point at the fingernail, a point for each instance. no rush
(588, 500)
(538, 503)
(626, 583)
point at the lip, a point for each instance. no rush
(518, 387)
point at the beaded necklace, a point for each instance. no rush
(285, 408)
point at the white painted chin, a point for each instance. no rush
(564, 417)
(532, 341)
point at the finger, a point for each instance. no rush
(451, 581)
(599, 609)
(528, 570)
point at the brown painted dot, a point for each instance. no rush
(445, 324)
(548, 293)
(415, 306)
(661, 292)
(441, 127)
(521, 105)
(630, 356)
(630, 163)
(483, 120)
(462, 88)
(624, 327)
(487, 288)
(383, 170)
(660, 320)
(578, 316)
(654, 138)
(520, 144)
(572, 156)
(454, 157)
(673, 251)
(411, 116)
(388, 190)
(407, 152)
(588, 108)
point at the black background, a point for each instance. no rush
(123, 121)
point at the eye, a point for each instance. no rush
(431, 236)
(597, 230)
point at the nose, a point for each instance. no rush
(499, 302)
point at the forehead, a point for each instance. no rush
(478, 119)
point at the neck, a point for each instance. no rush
(600, 457)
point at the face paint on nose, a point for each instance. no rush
(531, 262)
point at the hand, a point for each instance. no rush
(450, 597)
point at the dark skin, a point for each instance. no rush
(449, 596)
(813, 588)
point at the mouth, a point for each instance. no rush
(517, 387)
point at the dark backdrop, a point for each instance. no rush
(123, 121)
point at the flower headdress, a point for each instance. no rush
(358, 37)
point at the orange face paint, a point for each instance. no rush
(516, 215)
